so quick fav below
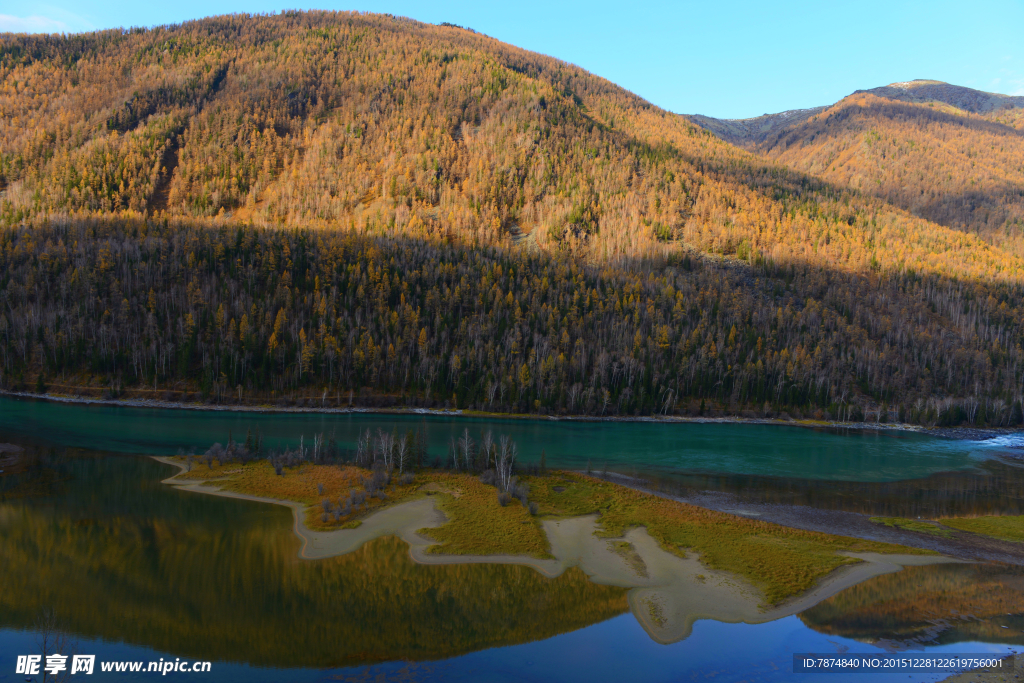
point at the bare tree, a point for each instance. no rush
(574, 394)
(506, 462)
(466, 448)
(386, 447)
(402, 453)
(318, 442)
(669, 397)
(53, 640)
(971, 408)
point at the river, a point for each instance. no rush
(137, 570)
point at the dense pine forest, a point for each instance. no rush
(333, 209)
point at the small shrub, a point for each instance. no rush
(488, 477)
(504, 498)
(381, 477)
(534, 508)
(521, 491)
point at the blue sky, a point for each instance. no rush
(725, 59)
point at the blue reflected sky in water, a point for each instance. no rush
(614, 650)
(620, 650)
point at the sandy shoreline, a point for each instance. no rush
(667, 593)
(949, 433)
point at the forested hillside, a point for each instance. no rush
(952, 155)
(370, 210)
(962, 170)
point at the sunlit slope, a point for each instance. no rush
(345, 119)
(924, 91)
(947, 165)
(946, 153)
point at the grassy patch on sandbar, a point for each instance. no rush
(913, 525)
(479, 525)
(1010, 528)
(780, 561)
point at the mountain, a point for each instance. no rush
(749, 133)
(752, 132)
(964, 99)
(948, 154)
(371, 210)
(348, 119)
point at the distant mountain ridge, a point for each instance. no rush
(750, 133)
(922, 91)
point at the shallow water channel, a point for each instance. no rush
(138, 570)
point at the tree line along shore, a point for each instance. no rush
(243, 315)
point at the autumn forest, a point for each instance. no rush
(340, 209)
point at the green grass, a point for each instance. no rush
(913, 525)
(780, 561)
(1004, 528)
(479, 525)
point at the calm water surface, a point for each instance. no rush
(766, 450)
(139, 571)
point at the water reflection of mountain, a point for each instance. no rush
(993, 488)
(937, 604)
(121, 557)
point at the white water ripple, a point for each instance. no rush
(1004, 441)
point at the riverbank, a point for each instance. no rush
(958, 433)
(671, 584)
